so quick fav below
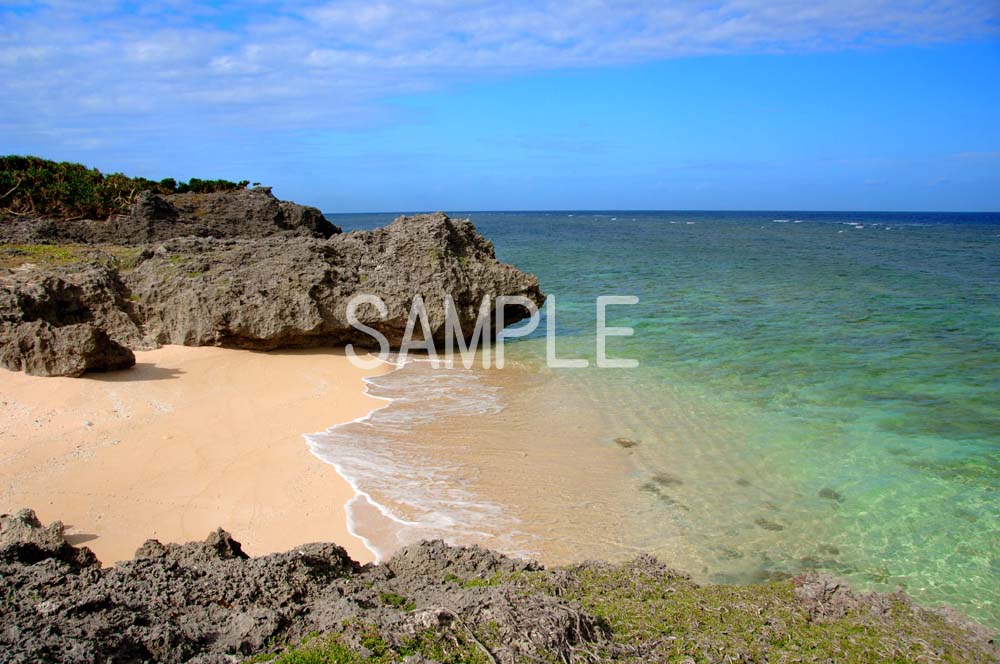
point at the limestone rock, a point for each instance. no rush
(240, 269)
(273, 293)
(247, 213)
(41, 349)
(209, 602)
(23, 539)
(65, 320)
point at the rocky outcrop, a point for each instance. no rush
(209, 602)
(246, 213)
(25, 541)
(272, 293)
(243, 213)
(41, 349)
(264, 293)
(63, 322)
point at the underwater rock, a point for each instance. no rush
(767, 524)
(830, 494)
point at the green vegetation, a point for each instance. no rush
(447, 648)
(652, 615)
(48, 254)
(397, 601)
(15, 255)
(480, 582)
(666, 618)
(31, 186)
(477, 582)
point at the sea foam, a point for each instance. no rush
(405, 491)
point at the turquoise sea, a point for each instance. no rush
(815, 391)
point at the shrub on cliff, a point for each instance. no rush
(35, 187)
(196, 186)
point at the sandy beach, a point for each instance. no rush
(188, 440)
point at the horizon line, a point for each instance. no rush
(661, 210)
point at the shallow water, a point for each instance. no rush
(816, 393)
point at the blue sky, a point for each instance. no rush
(369, 106)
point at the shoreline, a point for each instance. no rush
(374, 555)
(189, 439)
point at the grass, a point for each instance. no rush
(653, 615)
(479, 582)
(374, 649)
(16, 255)
(328, 651)
(397, 601)
(48, 254)
(686, 622)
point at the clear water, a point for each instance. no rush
(816, 391)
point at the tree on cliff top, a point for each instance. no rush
(35, 187)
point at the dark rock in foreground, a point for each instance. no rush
(209, 602)
(280, 290)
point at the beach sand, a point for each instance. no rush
(188, 440)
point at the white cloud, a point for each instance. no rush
(70, 62)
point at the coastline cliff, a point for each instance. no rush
(235, 268)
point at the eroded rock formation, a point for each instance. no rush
(238, 269)
(209, 602)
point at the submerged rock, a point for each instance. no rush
(830, 494)
(666, 479)
(767, 524)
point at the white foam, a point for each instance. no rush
(419, 497)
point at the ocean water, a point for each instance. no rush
(815, 391)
